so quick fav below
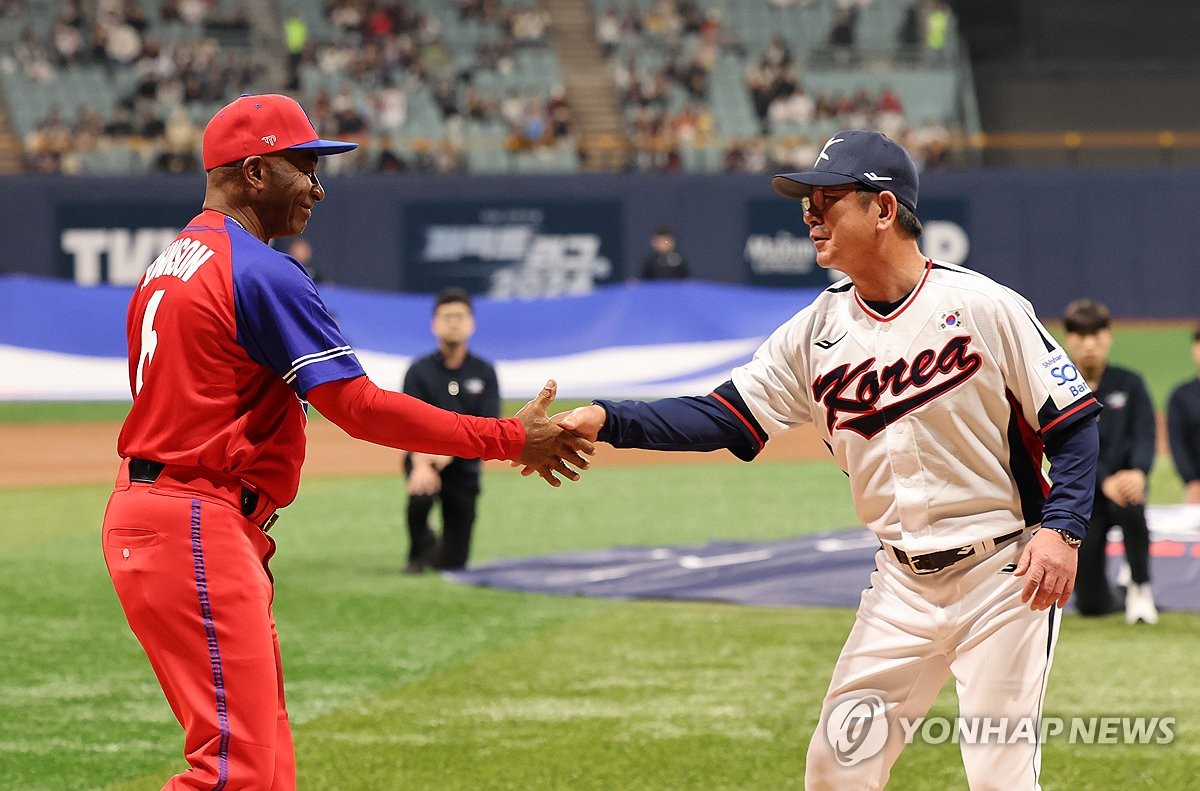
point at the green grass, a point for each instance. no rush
(398, 682)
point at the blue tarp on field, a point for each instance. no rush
(826, 570)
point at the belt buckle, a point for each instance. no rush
(915, 564)
(269, 521)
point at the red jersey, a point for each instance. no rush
(226, 336)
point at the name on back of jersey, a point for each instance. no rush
(181, 258)
(1062, 379)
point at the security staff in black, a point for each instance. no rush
(1183, 428)
(1127, 448)
(451, 378)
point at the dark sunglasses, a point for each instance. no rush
(821, 198)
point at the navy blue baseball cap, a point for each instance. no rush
(870, 160)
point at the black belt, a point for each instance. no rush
(145, 471)
(936, 561)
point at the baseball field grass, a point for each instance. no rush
(400, 682)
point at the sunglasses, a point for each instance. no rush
(820, 199)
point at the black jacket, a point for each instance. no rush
(1183, 429)
(469, 390)
(1127, 427)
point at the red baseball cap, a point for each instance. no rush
(256, 125)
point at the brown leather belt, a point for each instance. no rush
(936, 561)
(145, 471)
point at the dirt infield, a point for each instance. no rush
(67, 453)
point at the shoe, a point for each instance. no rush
(1139, 605)
(414, 567)
(1124, 576)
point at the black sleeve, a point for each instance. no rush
(1180, 430)
(412, 382)
(1072, 453)
(491, 387)
(720, 419)
(1145, 429)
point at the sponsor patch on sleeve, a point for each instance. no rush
(1061, 378)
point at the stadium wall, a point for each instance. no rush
(1124, 237)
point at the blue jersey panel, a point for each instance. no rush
(282, 322)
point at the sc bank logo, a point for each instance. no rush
(1067, 375)
(857, 729)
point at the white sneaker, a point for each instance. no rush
(1124, 576)
(1139, 604)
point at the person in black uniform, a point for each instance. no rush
(664, 262)
(1127, 446)
(451, 378)
(1183, 428)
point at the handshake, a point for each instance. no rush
(555, 444)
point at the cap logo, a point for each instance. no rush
(873, 177)
(269, 140)
(830, 142)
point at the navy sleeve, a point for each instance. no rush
(718, 420)
(1072, 453)
(283, 324)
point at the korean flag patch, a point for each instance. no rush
(951, 320)
(1061, 379)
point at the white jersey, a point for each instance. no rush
(937, 412)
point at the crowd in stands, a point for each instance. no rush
(362, 68)
(387, 52)
(692, 41)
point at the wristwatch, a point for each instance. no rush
(1072, 541)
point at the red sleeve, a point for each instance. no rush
(368, 412)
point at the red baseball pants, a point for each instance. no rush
(191, 573)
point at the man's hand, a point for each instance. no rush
(548, 448)
(1049, 563)
(1125, 487)
(424, 479)
(586, 421)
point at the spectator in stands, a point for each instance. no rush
(295, 36)
(931, 145)
(664, 262)
(389, 160)
(559, 113)
(1127, 446)
(909, 35)
(181, 141)
(795, 108)
(46, 146)
(842, 36)
(937, 30)
(68, 44)
(889, 114)
(1183, 428)
(608, 31)
(120, 123)
(32, 57)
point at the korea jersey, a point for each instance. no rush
(937, 412)
(226, 336)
